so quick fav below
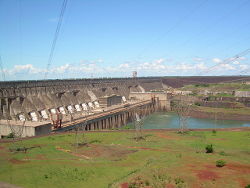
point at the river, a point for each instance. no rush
(160, 120)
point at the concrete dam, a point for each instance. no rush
(96, 103)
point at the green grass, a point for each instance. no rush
(243, 110)
(115, 157)
(219, 86)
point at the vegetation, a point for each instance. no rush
(223, 153)
(219, 86)
(241, 111)
(110, 159)
(220, 163)
(209, 148)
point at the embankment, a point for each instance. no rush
(219, 115)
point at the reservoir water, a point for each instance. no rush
(160, 120)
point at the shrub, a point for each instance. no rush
(11, 135)
(179, 181)
(209, 148)
(247, 186)
(197, 103)
(223, 153)
(138, 182)
(220, 163)
(95, 141)
(214, 131)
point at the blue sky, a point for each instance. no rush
(112, 38)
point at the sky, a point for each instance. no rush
(112, 38)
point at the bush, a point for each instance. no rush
(11, 135)
(220, 163)
(214, 131)
(223, 153)
(138, 182)
(209, 148)
(179, 181)
(247, 186)
(197, 103)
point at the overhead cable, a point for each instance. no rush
(53, 46)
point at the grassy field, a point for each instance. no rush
(116, 159)
(219, 86)
(242, 111)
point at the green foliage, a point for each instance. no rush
(247, 186)
(156, 179)
(126, 127)
(211, 98)
(223, 153)
(214, 131)
(197, 104)
(220, 163)
(179, 182)
(201, 85)
(209, 148)
(95, 141)
(138, 182)
(11, 135)
(224, 95)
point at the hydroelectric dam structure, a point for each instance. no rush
(42, 105)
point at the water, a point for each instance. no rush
(171, 120)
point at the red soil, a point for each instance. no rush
(124, 185)
(170, 186)
(207, 175)
(240, 168)
(211, 173)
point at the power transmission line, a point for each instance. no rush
(227, 61)
(64, 5)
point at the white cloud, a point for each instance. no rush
(216, 60)
(28, 68)
(156, 67)
(236, 62)
(244, 67)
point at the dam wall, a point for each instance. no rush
(36, 100)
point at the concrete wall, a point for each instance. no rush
(24, 97)
(161, 98)
(43, 130)
(25, 131)
(242, 93)
(110, 100)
